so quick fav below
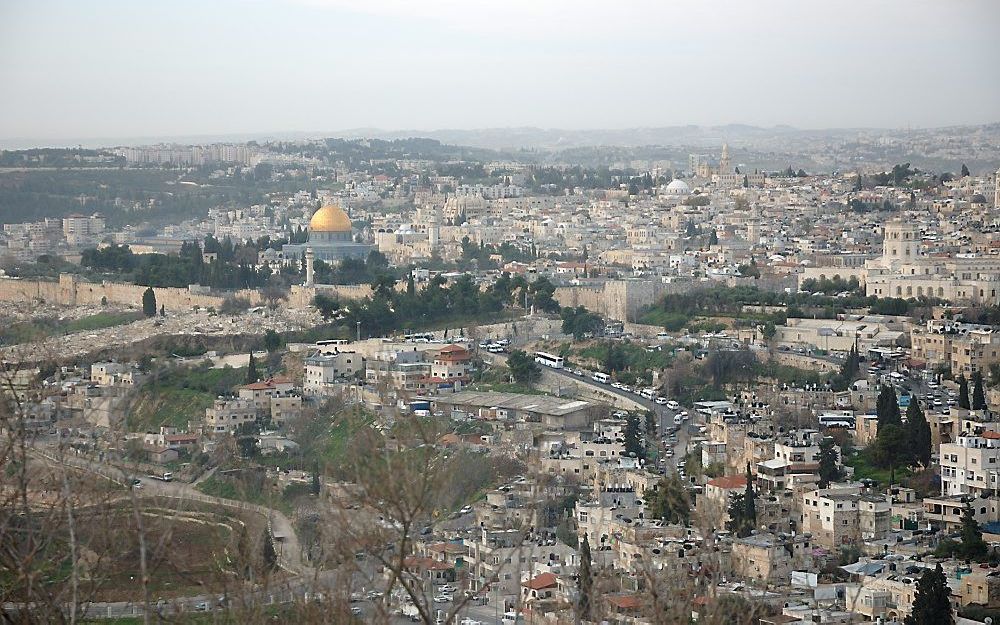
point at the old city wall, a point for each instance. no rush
(617, 299)
(70, 291)
(302, 296)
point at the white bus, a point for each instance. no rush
(549, 360)
(603, 378)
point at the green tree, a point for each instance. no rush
(149, 302)
(633, 437)
(326, 305)
(272, 340)
(743, 509)
(892, 448)
(932, 603)
(163, 311)
(965, 171)
(580, 322)
(972, 545)
(963, 392)
(615, 358)
(713, 238)
(887, 407)
(737, 523)
(669, 501)
(252, 374)
(918, 432)
(523, 367)
(750, 499)
(270, 555)
(650, 422)
(828, 469)
(315, 486)
(978, 396)
(585, 580)
(848, 371)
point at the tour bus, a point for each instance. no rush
(332, 342)
(420, 337)
(549, 360)
(603, 378)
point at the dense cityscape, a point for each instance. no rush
(635, 370)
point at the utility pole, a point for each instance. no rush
(359, 331)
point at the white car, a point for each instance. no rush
(661, 401)
(443, 599)
(448, 589)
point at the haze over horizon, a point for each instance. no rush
(115, 69)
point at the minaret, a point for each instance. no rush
(310, 257)
(996, 192)
(724, 161)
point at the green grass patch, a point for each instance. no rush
(864, 469)
(39, 329)
(238, 489)
(176, 396)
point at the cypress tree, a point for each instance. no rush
(887, 407)
(270, 555)
(828, 470)
(750, 501)
(978, 395)
(252, 374)
(972, 546)
(584, 580)
(918, 433)
(315, 481)
(932, 603)
(963, 392)
(149, 302)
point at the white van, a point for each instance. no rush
(603, 378)
(673, 405)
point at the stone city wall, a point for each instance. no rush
(71, 291)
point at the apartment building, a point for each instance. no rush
(832, 516)
(769, 558)
(323, 371)
(227, 414)
(962, 347)
(970, 465)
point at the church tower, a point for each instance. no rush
(901, 243)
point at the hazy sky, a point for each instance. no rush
(79, 69)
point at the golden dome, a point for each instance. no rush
(330, 218)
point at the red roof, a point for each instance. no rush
(425, 563)
(264, 385)
(729, 481)
(625, 602)
(545, 580)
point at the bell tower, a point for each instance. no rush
(901, 243)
